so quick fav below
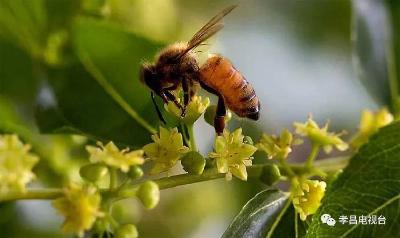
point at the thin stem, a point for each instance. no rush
(313, 154)
(192, 139)
(284, 164)
(42, 194)
(184, 179)
(253, 171)
(113, 179)
(184, 134)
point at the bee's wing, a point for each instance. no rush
(208, 30)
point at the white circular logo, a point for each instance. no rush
(325, 217)
(330, 222)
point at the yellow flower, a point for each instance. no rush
(166, 149)
(232, 155)
(307, 196)
(80, 207)
(277, 147)
(320, 136)
(369, 124)
(112, 156)
(195, 108)
(16, 164)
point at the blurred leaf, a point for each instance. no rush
(394, 54)
(260, 216)
(60, 12)
(24, 23)
(370, 185)
(373, 38)
(17, 80)
(286, 227)
(104, 98)
(302, 17)
(11, 122)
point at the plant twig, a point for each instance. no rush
(192, 139)
(254, 171)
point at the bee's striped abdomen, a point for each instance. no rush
(222, 77)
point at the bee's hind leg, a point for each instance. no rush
(219, 119)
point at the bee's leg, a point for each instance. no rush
(219, 119)
(167, 96)
(160, 116)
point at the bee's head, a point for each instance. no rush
(148, 76)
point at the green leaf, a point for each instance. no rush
(377, 49)
(260, 216)
(102, 97)
(370, 185)
(17, 78)
(287, 226)
(370, 36)
(24, 23)
(113, 57)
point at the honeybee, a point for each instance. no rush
(176, 66)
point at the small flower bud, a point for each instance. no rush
(149, 194)
(193, 162)
(270, 174)
(93, 172)
(210, 114)
(127, 231)
(135, 172)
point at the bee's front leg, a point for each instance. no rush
(170, 97)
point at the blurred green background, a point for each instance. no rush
(63, 61)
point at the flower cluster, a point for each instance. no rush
(307, 196)
(16, 163)
(113, 157)
(80, 207)
(321, 136)
(232, 154)
(195, 108)
(166, 149)
(369, 124)
(277, 146)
